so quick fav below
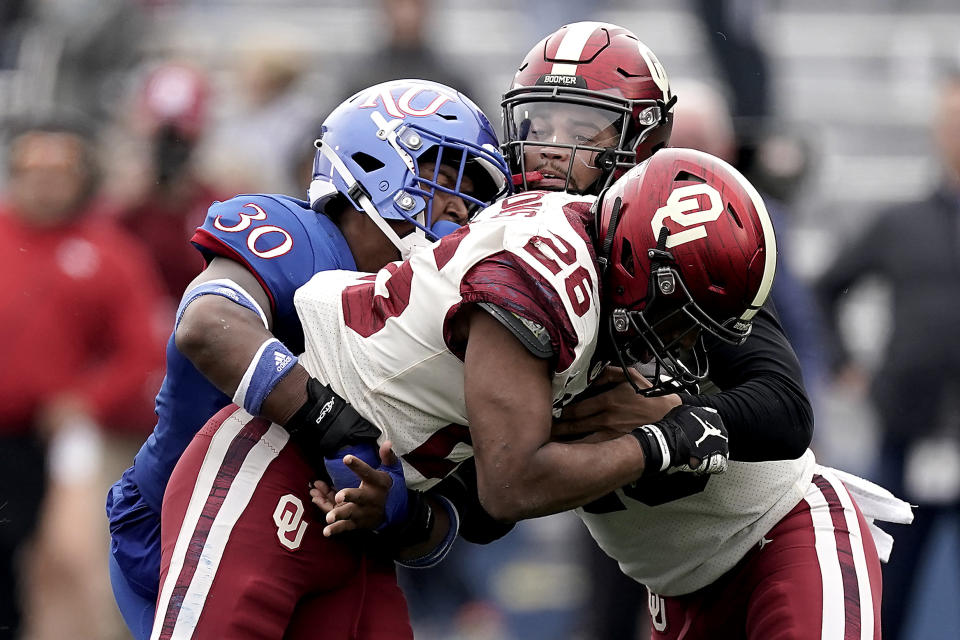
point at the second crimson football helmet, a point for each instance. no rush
(602, 72)
(686, 247)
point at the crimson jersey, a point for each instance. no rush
(384, 341)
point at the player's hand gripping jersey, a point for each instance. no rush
(385, 341)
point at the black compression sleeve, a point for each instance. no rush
(476, 525)
(762, 400)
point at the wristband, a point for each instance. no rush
(76, 451)
(656, 454)
(221, 287)
(417, 526)
(439, 552)
(269, 365)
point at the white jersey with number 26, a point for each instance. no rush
(383, 341)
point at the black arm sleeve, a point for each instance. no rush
(763, 402)
(476, 525)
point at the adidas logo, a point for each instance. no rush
(229, 293)
(281, 360)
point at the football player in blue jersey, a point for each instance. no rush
(397, 166)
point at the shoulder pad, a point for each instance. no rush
(532, 335)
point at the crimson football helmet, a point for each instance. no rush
(686, 249)
(609, 82)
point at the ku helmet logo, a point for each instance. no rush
(288, 516)
(404, 106)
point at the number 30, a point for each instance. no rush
(255, 234)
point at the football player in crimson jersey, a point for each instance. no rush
(397, 165)
(728, 538)
(579, 91)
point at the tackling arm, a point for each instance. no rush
(762, 400)
(221, 337)
(520, 472)
(225, 341)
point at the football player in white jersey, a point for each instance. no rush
(761, 550)
(464, 349)
(775, 546)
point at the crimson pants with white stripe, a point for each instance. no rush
(816, 574)
(244, 554)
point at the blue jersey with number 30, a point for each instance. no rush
(282, 242)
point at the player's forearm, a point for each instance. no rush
(220, 338)
(763, 400)
(557, 477)
(520, 472)
(770, 420)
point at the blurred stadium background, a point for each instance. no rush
(852, 84)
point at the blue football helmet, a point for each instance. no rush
(372, 146)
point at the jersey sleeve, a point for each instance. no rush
(508, 283)
(762, 399)
(276, 240)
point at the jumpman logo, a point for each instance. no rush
(708, 430)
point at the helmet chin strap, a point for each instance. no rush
(356, 191)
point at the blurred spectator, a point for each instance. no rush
(730, 27)
(407, 53)
(12, 13)
(914, 248)
(165, 197)
(251, 146)
(702, 120)
(81, 51)
(78, 358)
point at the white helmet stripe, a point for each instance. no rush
(657, 72)
(403, 245)
(571, 47)
(769, 242)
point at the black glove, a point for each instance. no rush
(325, 423)
(686, 432)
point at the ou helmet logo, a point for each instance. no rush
(683, 207)
(403, 107)
(288, 516)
